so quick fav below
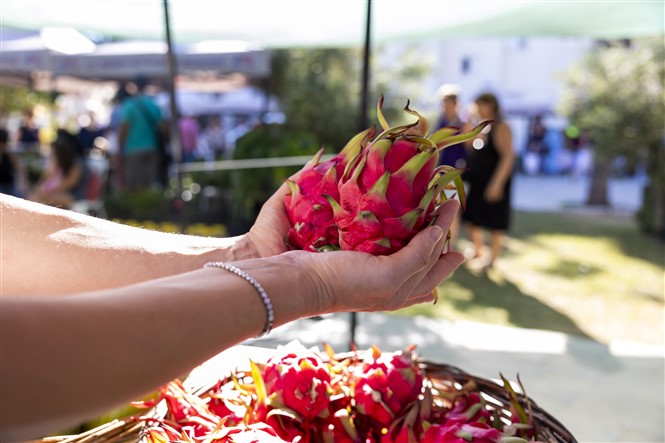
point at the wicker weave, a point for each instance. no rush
(444, 379)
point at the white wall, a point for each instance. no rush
(522, 72)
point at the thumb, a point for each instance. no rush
(419, 253)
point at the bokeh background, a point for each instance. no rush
(576, 302)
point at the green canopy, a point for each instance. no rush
(288, 23)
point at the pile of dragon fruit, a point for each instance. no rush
(300, 395)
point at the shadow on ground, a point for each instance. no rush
(621, 231)
(521, 309)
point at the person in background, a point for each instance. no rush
(114, 152)
(537, 150)
(139, 136)
(9, 168)
(490, 169)
(64, 180)
(28, 133)
(89, 131)
(189, 135)
(453, 155)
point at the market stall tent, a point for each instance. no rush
(127, 59)
(290, 23)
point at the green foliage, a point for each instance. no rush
(616, 93)
(318, 90)
(252, 187)
(20, 98)
(144, 205)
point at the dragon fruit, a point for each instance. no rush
(309, 212)
(299, 382)
(187, 412)
(301, 396)
(462, 433)
(468, 408)
(386, 385)
(379, 194)
(253, 433)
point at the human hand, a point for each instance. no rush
(494, 192)
(355, 281)
(266, 237)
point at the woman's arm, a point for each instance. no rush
(46, 250)
(65, 359)
(504, 145)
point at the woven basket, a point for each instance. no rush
(444, 379)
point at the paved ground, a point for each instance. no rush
(601, 393)
(554, 193)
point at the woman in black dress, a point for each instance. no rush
(490, 167)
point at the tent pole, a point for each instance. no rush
(176, 146)
(364, 95)
(364, 105)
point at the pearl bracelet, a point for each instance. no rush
(267, 303)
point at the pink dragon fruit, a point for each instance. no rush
(253, 433)
(388, 192)
(462, 433)
(339, 428)
(310, 214)
(299, 382)
(386, 385)
(468, 408)
(188, 413)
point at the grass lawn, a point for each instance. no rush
(588, 275)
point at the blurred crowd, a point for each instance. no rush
(60, 164)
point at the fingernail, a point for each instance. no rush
(435, 234)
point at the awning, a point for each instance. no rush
(126, 60)
(288, 23)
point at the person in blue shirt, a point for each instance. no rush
(140, 132)
(453, 155)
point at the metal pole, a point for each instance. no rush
(176, 146)
(364, 106)
(364, 95)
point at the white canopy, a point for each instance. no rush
(125, 60)
(287, 23)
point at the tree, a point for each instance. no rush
(20, 98)
(318, 90)
(616, 94)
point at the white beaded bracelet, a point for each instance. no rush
(267, 303)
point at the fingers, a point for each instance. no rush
(424, 250)
(446, 215)
(417, 255)
(441, 270)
